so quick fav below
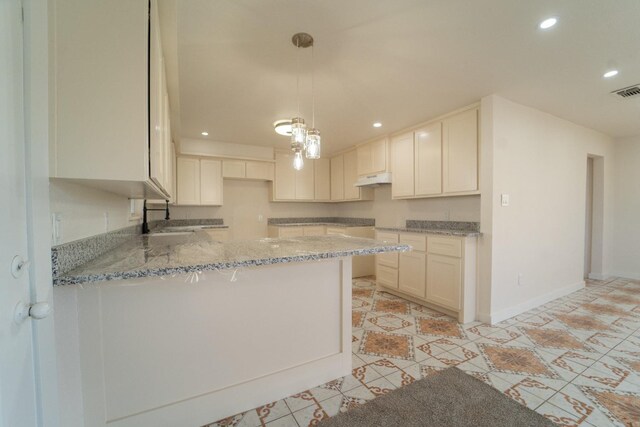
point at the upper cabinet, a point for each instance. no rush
(199, 182)
(372, 157)
(460, 152)
(108, 71)
(322, 179)
(344, 174)
(292, 185)
(240, 169)
(439, 159)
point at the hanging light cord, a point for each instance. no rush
(298, 74)
(313, 93)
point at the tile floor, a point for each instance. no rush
(576, 360)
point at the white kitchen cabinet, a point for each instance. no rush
(259, 170)
(351, 192)
(290, 184)
(322, 179)
(337, 178)
(119, 144)
(210, 182)
(199, 182)
(234, 169)
(412, 273)
(428, 160)
(460, 152)
(240, 169)
(372, 157)
(444, 280)
(344, 175)
(440, 272)
(402, 164)
(188, 181)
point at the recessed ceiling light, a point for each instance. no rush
(548, 23)
(610, 73)
(205, 133)
(377, 125)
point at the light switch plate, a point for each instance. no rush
(504, 200)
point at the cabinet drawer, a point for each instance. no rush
(445, 246)
(314, 231)
(387, 276)
(390, 259)
(417, 242)
(290, 232)
(335, 231)
(387, 237)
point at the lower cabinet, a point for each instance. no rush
(439, 272)
(411, 271)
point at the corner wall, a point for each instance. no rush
(626, 235)
(541, 161)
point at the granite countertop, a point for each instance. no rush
(312, 224)
(164, 255)
(430, 231)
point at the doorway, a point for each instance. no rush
(594, 219)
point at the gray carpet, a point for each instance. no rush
(447, 398)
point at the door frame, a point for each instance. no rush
(38, 134)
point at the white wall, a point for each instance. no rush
(394, 213)
(244, 201)
(541, 162)
(82, 210)
(626, 252)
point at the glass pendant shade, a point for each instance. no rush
(312, 146)
(298, 131)
(298, 161)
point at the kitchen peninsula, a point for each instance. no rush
(180, 329)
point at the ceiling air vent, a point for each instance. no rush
(628, 92)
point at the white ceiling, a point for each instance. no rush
(232, 69)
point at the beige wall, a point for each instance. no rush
(394, 213)
(82, 210)
(540, 161)
(626, 252)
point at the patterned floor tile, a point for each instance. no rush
(575, 360)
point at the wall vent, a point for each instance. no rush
(628, 92)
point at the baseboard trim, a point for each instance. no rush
(510, 312)
(599, 276)
(628, 275)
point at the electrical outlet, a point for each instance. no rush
(260, 218)
(504, 199)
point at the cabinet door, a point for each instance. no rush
(211, 182)
(304, 181)
(337, 178)
(285, 232)
(259, 170)
(322, 179)
(284, 184)
(233, 169)
(428, 160)
(365, 159)
(387, 276)
(460, 152)
(188, 181)
(444, 279)
(157, 130)
(412, 279)
(351, 192)
(314, 231)
(372, 157)
(402, 164)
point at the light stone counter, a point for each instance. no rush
(169, 255)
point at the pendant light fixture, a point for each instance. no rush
(303, 140)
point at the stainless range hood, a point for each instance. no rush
(374, 180)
